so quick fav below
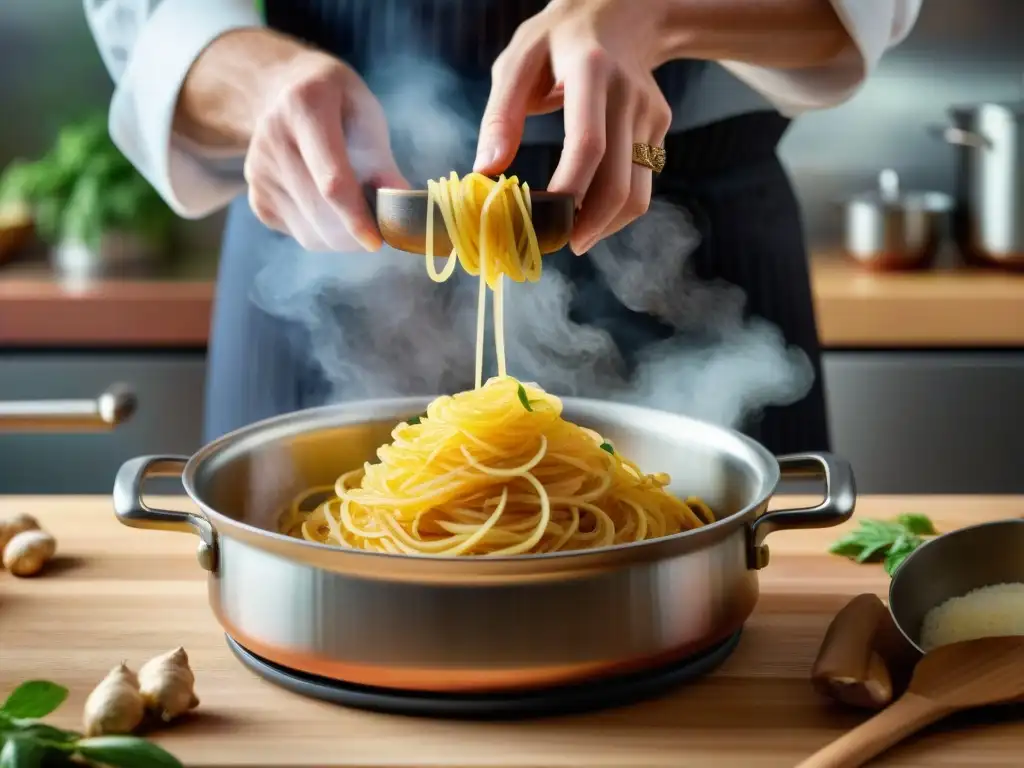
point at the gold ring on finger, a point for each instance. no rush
(649, 156)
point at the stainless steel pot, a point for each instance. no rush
(989, 217)
(476, 623)
(888, 229)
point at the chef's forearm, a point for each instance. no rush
(771, 33)
(222, 95)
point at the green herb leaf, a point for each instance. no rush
(34, 699)
(85, 187)
(23, 753)
(895, 558)
(871, 552)
(524, 399)
(126, 752)
(848, 546)
(890, 541)
(917, 524)
(413, 420)
(606, 446)
(39, 731)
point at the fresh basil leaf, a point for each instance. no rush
(894, 559)
(417, 419)
(41, 731)
(126, 752)
(848, 546)
(606, 446)
(897, 554)
(882, 528)
(23, 753)
(873, 551)
(920, 525)
(524, 399)
(34, 699)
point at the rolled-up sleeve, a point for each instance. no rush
(874, 27)
(148, 47)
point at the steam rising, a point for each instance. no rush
(379, 327)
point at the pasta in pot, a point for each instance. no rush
(495, 470)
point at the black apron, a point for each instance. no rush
(725, 175)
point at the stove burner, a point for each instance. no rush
(562, 700)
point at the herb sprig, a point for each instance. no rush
(888, 541)
(25, 742)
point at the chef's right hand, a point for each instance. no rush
(318, 137)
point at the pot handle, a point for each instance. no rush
(132, 511)
(959, 137)
(836, 508)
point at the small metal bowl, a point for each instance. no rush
(952, 565)
(402, 219)
(889, 230)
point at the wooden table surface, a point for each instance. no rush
(119, 593)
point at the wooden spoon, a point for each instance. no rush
(864, 661)
(951, 678)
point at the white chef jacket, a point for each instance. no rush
(149, 45)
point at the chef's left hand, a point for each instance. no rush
(594, 59)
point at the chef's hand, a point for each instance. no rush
(319, 136)
(591, 58)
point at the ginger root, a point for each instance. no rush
(12, 526)
(115, 706)
(27, 552)
(167, 684)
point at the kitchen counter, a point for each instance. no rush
(944, 308)
(118, 593)
(38, 310)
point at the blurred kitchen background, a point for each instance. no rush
(914, 413)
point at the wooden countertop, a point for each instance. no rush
(946, 307)
(38, 310)
(119, 593)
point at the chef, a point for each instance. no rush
(264, 108)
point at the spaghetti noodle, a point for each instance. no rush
(495, 470)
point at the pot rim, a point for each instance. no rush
(356, 412)
(923, 201)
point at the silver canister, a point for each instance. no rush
(989, 218)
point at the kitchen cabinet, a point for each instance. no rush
(169, 388)
(929, 421)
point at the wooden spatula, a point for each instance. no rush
(951, 678)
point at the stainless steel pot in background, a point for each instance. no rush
(447, 624)
(889, 229)
(99, 414)
(989, 214)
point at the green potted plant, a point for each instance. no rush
(89, 203)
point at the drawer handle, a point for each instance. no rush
(103, 413)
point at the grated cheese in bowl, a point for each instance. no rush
(993, 611)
